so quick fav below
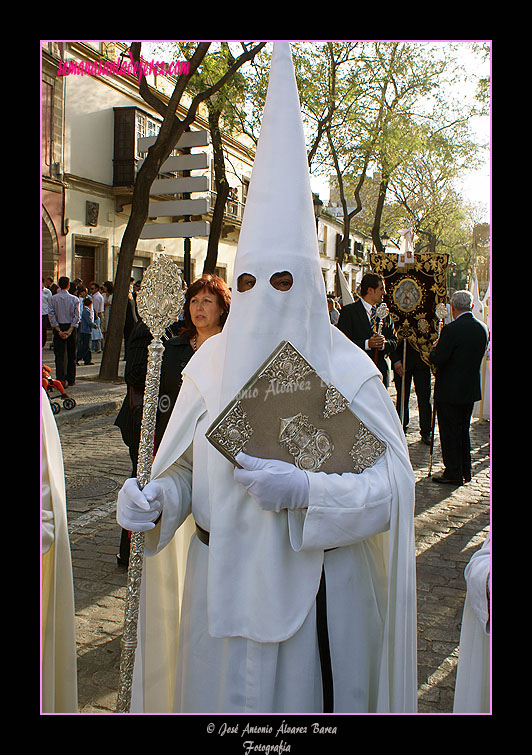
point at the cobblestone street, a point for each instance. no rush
(451, 524)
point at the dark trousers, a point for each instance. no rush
(65, 355)
(421, 376)
(45, 326)
(453, 423)
(84, 348)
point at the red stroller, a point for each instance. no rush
(51, 386)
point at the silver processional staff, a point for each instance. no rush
(159, 303)
(441, 314)
(381, 313)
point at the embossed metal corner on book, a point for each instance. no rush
(286, 411)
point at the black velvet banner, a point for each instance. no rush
(412, 295)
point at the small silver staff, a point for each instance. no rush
(441, 314)
(381, 313)
(404, 331)
(159, 303)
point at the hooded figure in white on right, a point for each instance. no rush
(299, 587)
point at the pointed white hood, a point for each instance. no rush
(278, 234)
(249, 546)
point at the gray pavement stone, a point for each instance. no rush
(450, 525)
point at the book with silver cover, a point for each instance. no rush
(286, 411)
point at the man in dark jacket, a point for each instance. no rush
(355, 322)
(457, 355)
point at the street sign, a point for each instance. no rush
(189, 139)
(186, 185)
(178, 207)
(179, 185)
(176, 230)
(195, 161)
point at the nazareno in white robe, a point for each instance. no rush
(472, 688)
(248, 633)
(223, 664)
(59, 671)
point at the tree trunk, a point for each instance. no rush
(376, 229)
(170, 132)
(137, 219)
(222, 191)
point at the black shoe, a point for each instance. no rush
(426, 439)
(445, 480)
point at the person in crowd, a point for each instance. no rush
(51, 285)
(98, 305)
(358, 321)
(136, 288)
(130, 321)
(81, 293)
(333, 311)
(74, 286)
(85, 330)
(457, 356)
(97, 336)
(45, 300)
(64, 314)
(205, 310)
(107, 293)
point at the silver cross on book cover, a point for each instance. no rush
(286, 411)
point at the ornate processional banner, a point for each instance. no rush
(412, 294)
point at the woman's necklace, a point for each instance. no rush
(195, 339)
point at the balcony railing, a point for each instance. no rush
(233, 208)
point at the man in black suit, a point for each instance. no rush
(356, 323)
(457, 355)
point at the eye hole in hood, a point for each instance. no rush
(245, 282)
(282, 281)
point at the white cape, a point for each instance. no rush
(238, 608)
(248, 632)
(59, 672)
(472, 689)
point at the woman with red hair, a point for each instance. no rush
(205, 311)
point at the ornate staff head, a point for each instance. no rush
(161, 296)
(441, 314)
(381, 312)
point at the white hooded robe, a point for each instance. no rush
(247, 640)
(472, 688)
(59, 672)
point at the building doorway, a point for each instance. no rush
(84, 263)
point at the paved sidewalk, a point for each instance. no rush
(92, 396)
(450, 524)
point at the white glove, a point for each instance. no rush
(274, 484)
(137, 509)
